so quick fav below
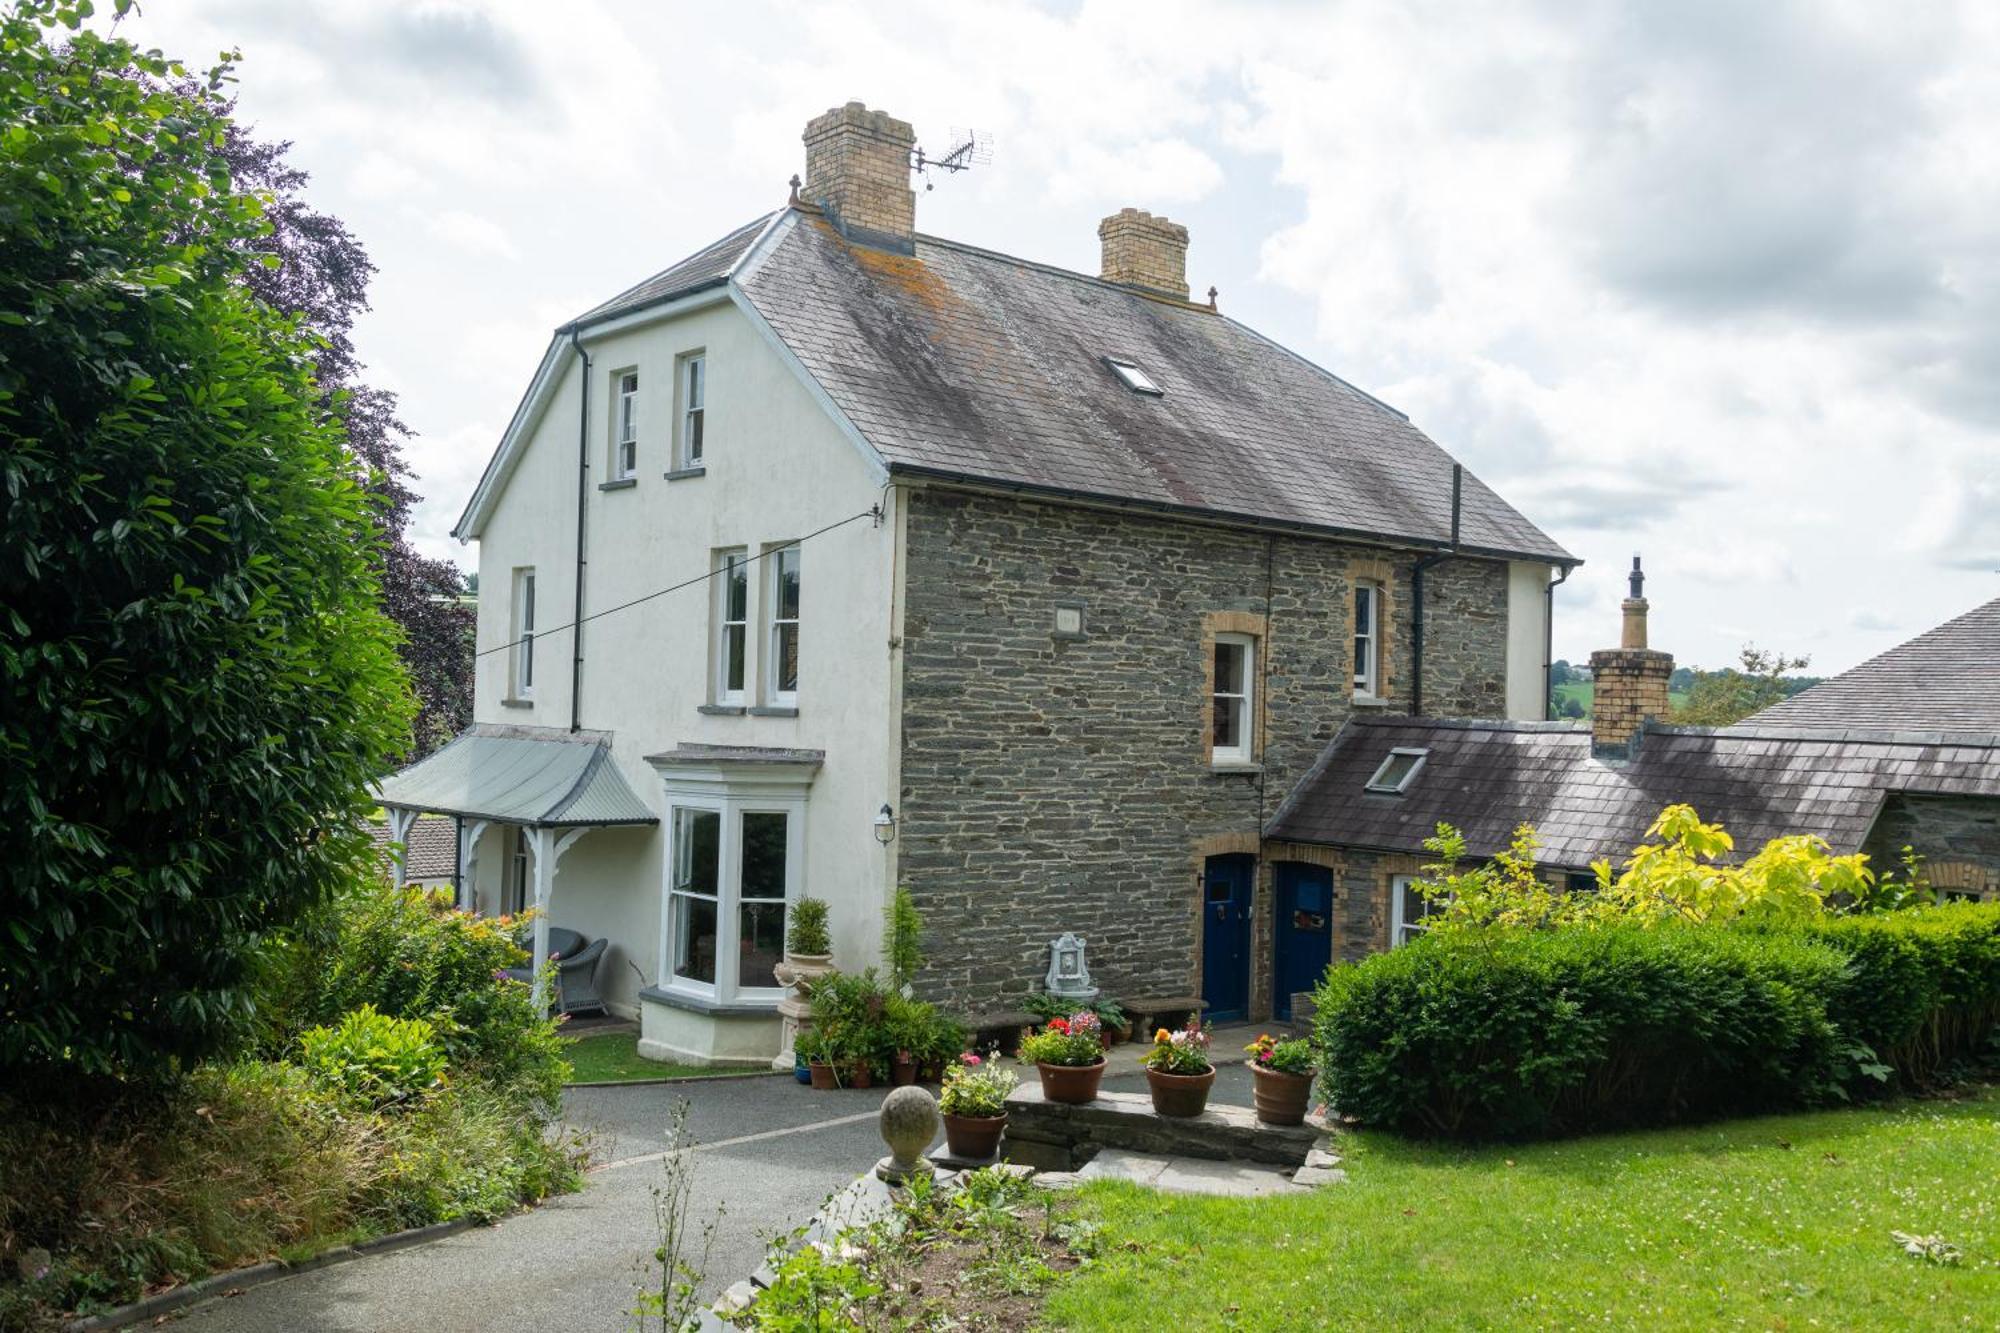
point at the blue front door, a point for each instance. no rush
(1303, 931)
(1225, 935)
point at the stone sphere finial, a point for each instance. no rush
(909, 1121)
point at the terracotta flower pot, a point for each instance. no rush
(1281, 1098)
(1071, 1084)
(902, 1072)
(860, 1076)
(973, 1137)
(1182, 1096)
(822, 1076)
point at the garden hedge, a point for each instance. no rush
(1518, 1033)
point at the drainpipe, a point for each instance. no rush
(1549, 642)
(1417, 595)
(582, 496)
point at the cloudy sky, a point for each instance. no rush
(1719, 283)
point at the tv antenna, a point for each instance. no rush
(975, 148)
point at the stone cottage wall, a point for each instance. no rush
(1054, 782)
(1958, 837)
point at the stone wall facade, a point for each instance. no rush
(1958, 837)
(1056, 781)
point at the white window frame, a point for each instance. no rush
(730, 564)
(1381, 785)
(1368, 666)
(781, 791)
(691, 388)
(521, 635)
(517, 874)
(1245, 750)
(625, 432)
(775, 558)
(1401, 929)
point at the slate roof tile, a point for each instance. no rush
(1944, 681)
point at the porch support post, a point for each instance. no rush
(546, 845)
(469, 834)
(401, 821)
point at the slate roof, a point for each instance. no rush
(704, 268)
(1486, 778)
(1947, 679)
(432, 851)
(960, 363)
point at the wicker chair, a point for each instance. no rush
(578, 963)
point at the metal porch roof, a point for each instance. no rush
(521, 775)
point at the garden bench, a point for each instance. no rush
(1003, 1026)
(1166, 1012)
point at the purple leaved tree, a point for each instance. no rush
(322, 275)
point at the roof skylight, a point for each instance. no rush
(1397, 772)
(1137, 380)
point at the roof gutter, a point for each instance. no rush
(1218, 517)
(1417, 594)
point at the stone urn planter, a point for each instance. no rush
(1182, 1096)
(1281, 1098)
(1072, 1085)
(973, 1137)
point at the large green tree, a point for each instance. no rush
(196, 681)
(1720, 698)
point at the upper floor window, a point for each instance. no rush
(523, 635)
(732, 624)
(625, 451)
(1367, 640)
(783, 595)
(693, 391)
(1233, 699)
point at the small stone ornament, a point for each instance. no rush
(1069, 975)
(909, 1121)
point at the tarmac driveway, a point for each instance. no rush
(768, 1150)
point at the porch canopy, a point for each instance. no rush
(557, 785)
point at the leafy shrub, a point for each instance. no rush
(409, 954)
(1076, 1040)
(1510, 1033)
(374, 1059)
(902, 939)
(976, 1087)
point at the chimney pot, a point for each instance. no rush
(1146, 252)
(858, 170)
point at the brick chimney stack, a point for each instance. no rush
(858, 170)
(1143, 251)
(1629, 682)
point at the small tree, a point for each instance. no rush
(196, 686)
(1719, 698)
(902, 940)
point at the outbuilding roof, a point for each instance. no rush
(521, 775)
(1946, 679)
(1487, 778)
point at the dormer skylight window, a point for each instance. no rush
(1137, 380)
(1397, 772)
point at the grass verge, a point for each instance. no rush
(613, 1057)
(1775, 1222)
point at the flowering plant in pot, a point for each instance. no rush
(973, 1105)
(1283, 1073)
(811, 1048)
(1178, 1070)
(1068, 1053)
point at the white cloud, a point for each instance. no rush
(1714, 282)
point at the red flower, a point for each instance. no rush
(1059, 1025)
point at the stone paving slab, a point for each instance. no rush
(1185, 1175)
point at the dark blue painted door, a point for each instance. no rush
(1225, 935)
(1304, 931)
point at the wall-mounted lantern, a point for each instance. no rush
(885, 825)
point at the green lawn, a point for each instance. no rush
(1775, 1223)
(613, 1057)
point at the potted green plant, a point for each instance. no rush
(943, 1041)
(1068, 1053)
(907, 1024)
(1111, 1015)
(973, 1105)
(812, 1049)
(1283, 1077)
(1178, 1071)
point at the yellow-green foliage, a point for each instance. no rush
(1676, 876)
